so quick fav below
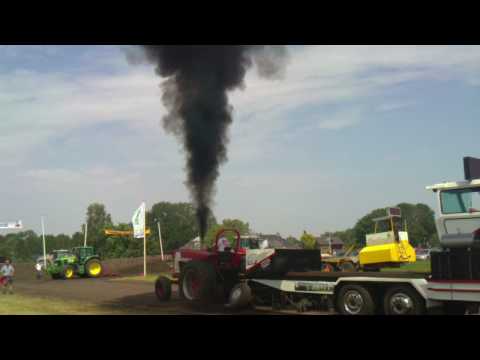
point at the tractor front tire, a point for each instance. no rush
(198, 282)
(68, 272)
(240, 297)
(163, 288)
(93, 268)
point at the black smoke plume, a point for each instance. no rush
(195, 93)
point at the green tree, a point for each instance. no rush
(347, 236)
(293, 242)
(117, 246)
(178, 223)
(98, 220)
(78, 239)
(418, 217)
(242, 227)
(420, 220)
(308, 241)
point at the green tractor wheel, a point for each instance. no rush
(93, 268)
(68, 272)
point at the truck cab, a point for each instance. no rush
(455, 266)
(458, 220)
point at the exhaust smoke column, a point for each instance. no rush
(195, 93)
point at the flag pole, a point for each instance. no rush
(44, 247)
(160, 238)
(86, 229)
(144, 240)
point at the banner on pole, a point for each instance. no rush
(138, 221)
(12, 225)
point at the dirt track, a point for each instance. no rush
(107, 293)
(123, 295)
(113, 293)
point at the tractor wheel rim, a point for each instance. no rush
(236, 294)
(353, 303)
(95, 269)
(401, 304)
(68, 273)
(159, 290)
(191, 285)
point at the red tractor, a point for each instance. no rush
(217, 274)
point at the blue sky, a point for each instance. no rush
(346, 130)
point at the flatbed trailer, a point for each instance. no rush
(355, 293)
(360, 293)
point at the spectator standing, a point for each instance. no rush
(8, 271)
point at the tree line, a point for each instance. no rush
(419, 219)
(179, 226)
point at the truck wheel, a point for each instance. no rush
(240, 296)
(163, 288)
(68, 272)
(355, 300)
(93, 268)
(403, 300)
(347, 266)
(198, 282)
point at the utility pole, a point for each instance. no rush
(44, 247)
(86, 230)
(160, 238)
(144, 241)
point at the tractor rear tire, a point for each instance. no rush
(163, 288)
(93, 268)
(68, 272)
(240, 297)
(55, 276)
(198, 282)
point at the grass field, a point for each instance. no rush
(26, 305)
(149, 278)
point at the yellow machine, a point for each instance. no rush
(388, 245)
(122, 233)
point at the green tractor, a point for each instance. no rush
(81, 261)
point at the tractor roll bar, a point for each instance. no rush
(223, 231)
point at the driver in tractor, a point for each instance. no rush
(223, 244)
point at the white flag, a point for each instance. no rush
(138, 221)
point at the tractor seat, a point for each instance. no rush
(225, 257)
